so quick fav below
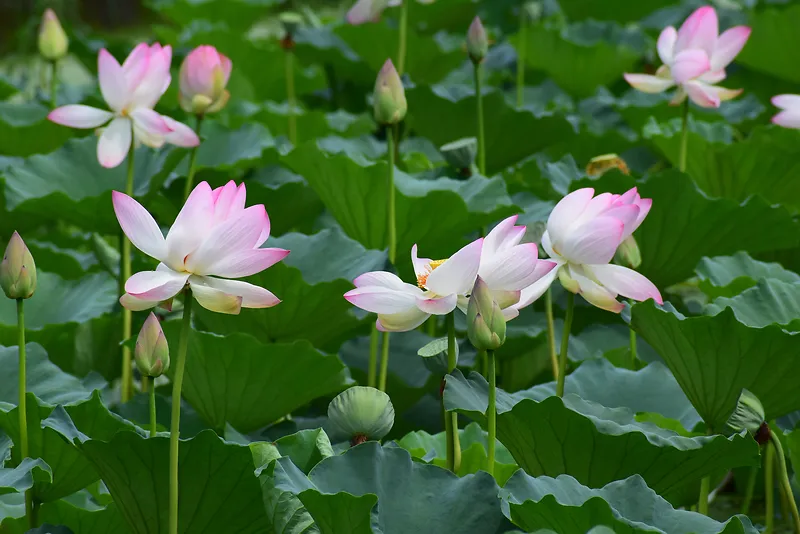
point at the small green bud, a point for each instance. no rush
(152, 351)
(486, 326)
(477, 41)
(360, 413)
(389, 98)
(18, 271)
(461, 153)
(748, 414)
(628, 253)
(290, 22)
(53, 41)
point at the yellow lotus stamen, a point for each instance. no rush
(422, 279)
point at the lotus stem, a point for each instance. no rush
(491, 413)
(551, 331)
(384, 362)
(785, 483)
(451, 419)
(684, 136)
(372, 369)
(633, 349)
(175, 423)
(401, 48)
(521, 50)
(22, 407)
(562, 358)
(124, 274)
(187, 189)
(153, 424)
(481, 140)
(769, 488)
(54, 84)
(290, 95)
(391, 197)
(748, 492)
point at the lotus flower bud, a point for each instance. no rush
(389, 98)
(477, 41)
(290, 22)
(486, 326)
(152, 351)
(203, 77)
(53, 41)
(628, 253)
(749, 415)
(360, 413)
(18, 271)
(461, 153)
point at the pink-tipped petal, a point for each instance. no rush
(789, 102)
(515, 268)
(135, 66)
(139, 226)
(156, 285)
(216, 300)
(728, 46)
(136, 304)
(628, 214)
(227, 67)
(647, 83)
(180, 134)
(114, 143)
(112, 81)
(712, 76)
(788, 119)
(709, 96)
(365, 11)
(437, 305)
(156, 79)
(593, 242)
(531, 293)
(191, 226)
(150, 122)
(666, 44)
(224, 198)
(504, 235)
(252, 296)
(690, 64)
(700, 30)
(457, 274)
(381, 279)
(226, 239)
(80, 116)
(377, 299)
(246, 262)
(625, 282)
(401, 322)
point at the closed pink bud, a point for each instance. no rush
(152, 352)
(477, 41)
(203, 77)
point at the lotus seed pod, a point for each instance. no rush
(477, 41)
(53, 41)
(18, 270)
(290, 22)
(749, 415)
(360, 413)
(152, 351)
(389, 98)
(628, 253)
(461, 153)
(486, 326)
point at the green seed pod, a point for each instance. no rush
(18, 270)
(461, 153)
(748, 414)
(152, 350)
(389, 98)
(477, 41)
(360, 413)
(290, 22)
(486, 326)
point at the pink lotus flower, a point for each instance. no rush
(213, 238)
(131, 91)
(583, 233)
(370, 10)
(203, 77)
(694, 59)
(789, 117)
(505, 266)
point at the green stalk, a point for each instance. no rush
(784, 476)
(401, 48)
(551, 330)
(748, 492)
(769, 488)
(633, 349)
(491, 412)
(384, 362)
(175, 423)
(372, 369)
(684, 136)
(481, 143)
(290, 95)
(523, 42)
(124, 274)
(391, 208)
(562, 358)
(22, 408)
(705, 488)
(54, 84)
(451, 419)
(153, 425)
(187, 189)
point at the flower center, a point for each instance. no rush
(422, 279)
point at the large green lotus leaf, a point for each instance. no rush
(431, 213)
(684, 225)
(47, 428)
(473, 440)
(313, 124)
(44, 379)
(726, 276)
(310, 282)
(616, 10)
(25, 130)
(628, 506)
(596, 444)
(714, 357)
(218, 490)
(67, 516)
(227, 149)
(430, 17)
(774, 32)
(447, 113)
(769, 302)
(238, 14)
(69, 184)
(291, 203)
(581, 57)
(763, 164)
(249, 384)
(285, 513)
(341, 492)
(23, 477)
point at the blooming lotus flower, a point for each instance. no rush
(203, 77)
(789, 117)
(370, 10)
(583, 233)
(131, 91)
(214, 238)
(694, 59)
